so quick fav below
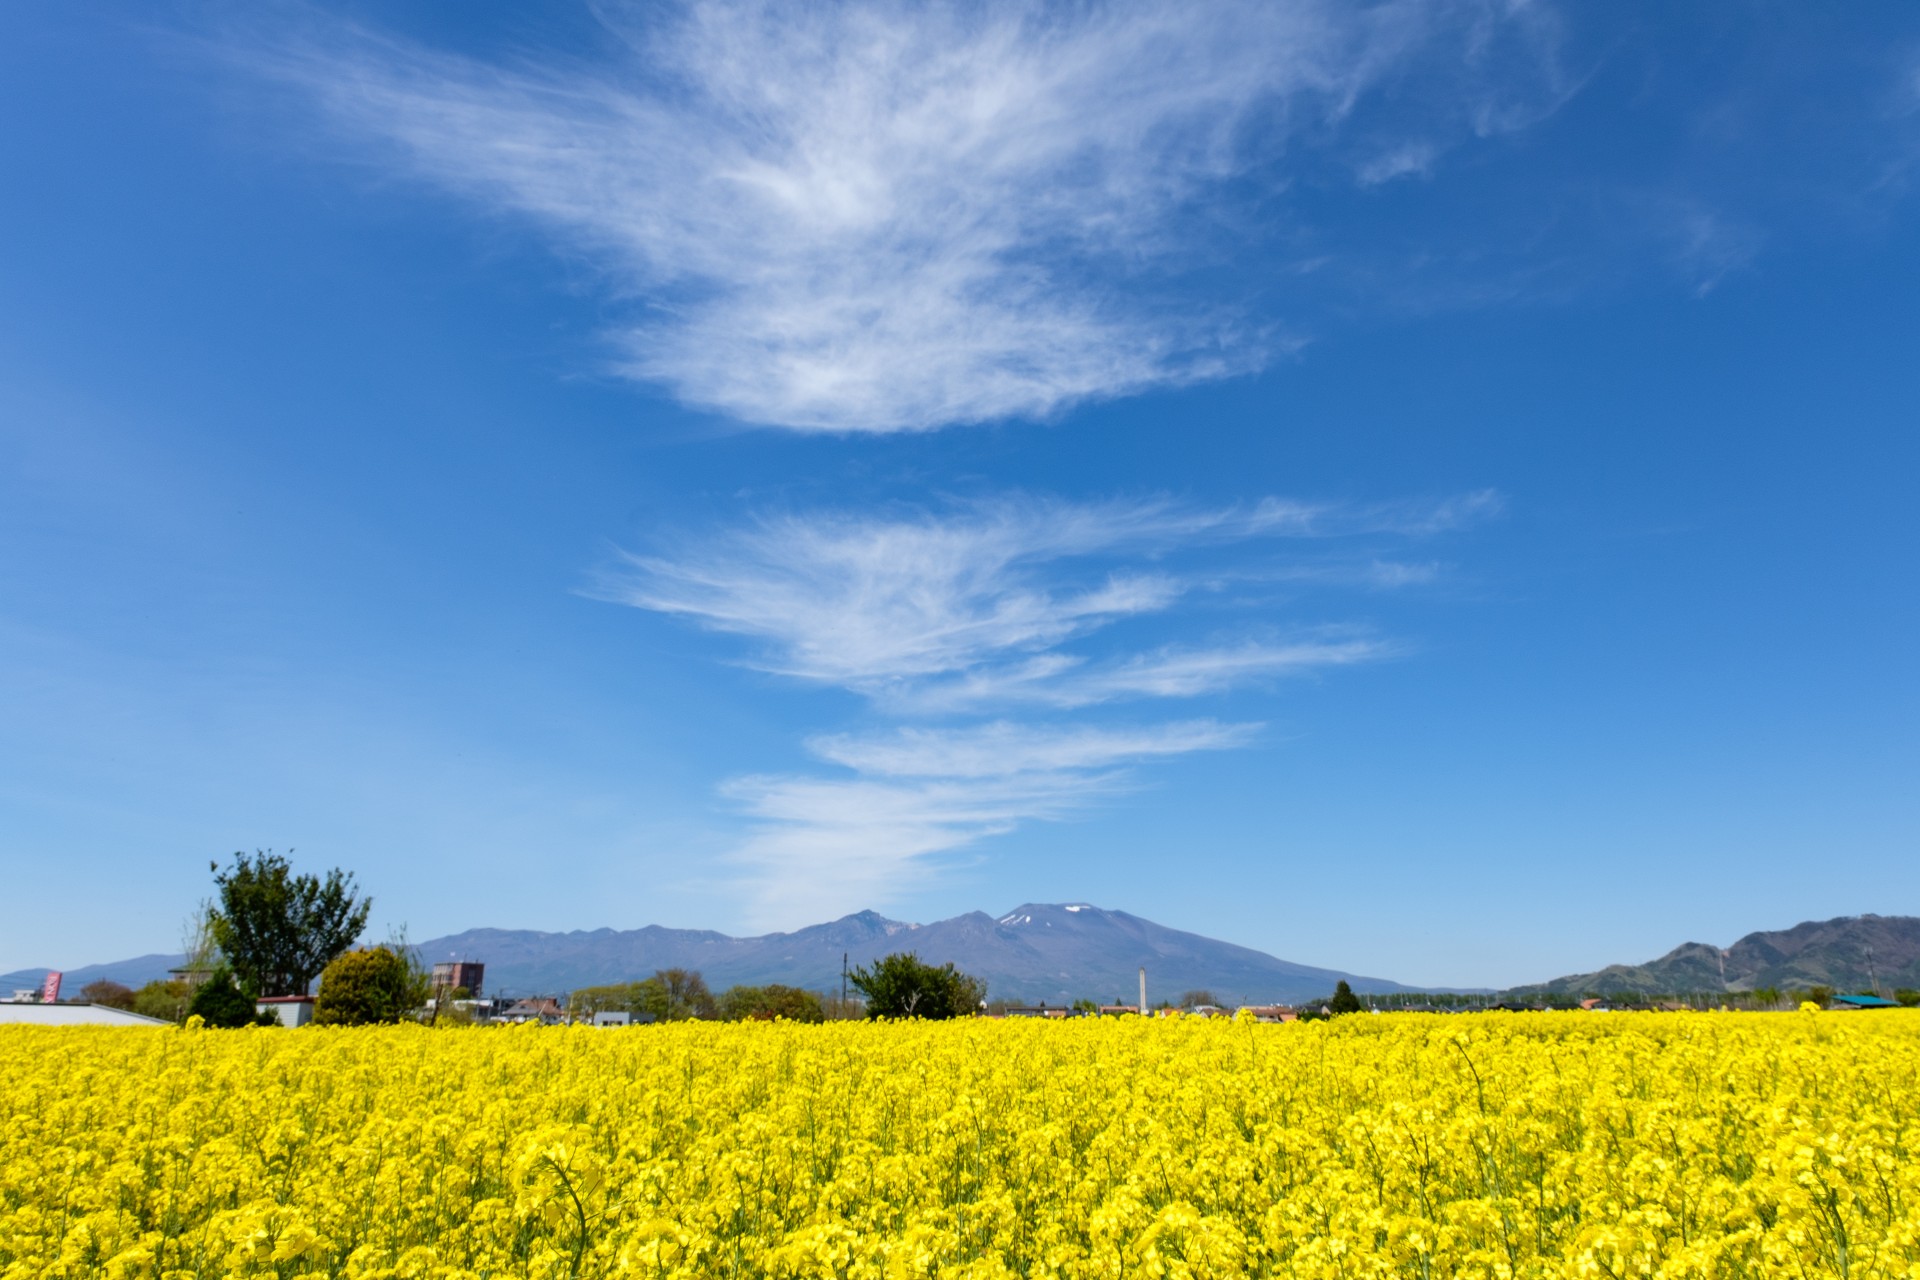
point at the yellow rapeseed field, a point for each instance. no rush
(1776, 1145)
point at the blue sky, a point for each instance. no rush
(1417, 489)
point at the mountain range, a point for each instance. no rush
(1850, 953)
(1052, 952)
(1067, 951)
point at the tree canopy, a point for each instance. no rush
(219, 1002)
(763, 1004)
(372, 985)
(279, 930)
(1344, 1001)
(901, 985)
(670, 995)
(113, 995)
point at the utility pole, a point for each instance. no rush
(1872, 977)
(1143, 991)
(843, 984)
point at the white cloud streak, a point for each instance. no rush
(887, 216)
(993, 607)
(820, 843)
(1003, 748)
(971, 608)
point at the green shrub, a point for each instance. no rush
(902, 986)
(219, 1002)
(372, 985)
(763, 1004)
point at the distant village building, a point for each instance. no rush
(288, 1011)
(542, 1009)
(1271, 1012)
(1864, 1002)
(453, 974)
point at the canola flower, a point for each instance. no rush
(1496, 1145)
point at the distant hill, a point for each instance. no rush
(136, 972)
(1830, 953)
(1052, 952)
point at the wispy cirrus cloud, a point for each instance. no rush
(1004, 748)
(1012, 607)
(819, 843)
(880, 216)
(971, 607)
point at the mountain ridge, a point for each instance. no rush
(1847, 953)
(1056, 952)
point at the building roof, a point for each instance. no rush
(1867, 1002)
(74, 1015)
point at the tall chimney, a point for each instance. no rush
(1143, 991)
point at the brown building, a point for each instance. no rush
(459, 973)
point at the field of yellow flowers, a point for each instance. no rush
(1400, 1145)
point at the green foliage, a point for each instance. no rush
(902, 986)
(1907, 996)
(1194, 999)
(763, 1004)
(368, 986)
(1086, 1006)
(619, 997)
(1822, 996)
(670, 995)
(111, 994)
(164, 1000)
(219, 1002)
(279, 930)
(675, 995)
(1344, 1001)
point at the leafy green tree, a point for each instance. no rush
(617, 997)
(113, 995)
(763, 1004)
(1194, 999)
(279, 930)
(163, 999)
(675, 995)
(219, 1002)
(902, 986)
(1084, 1005)
(1907, 996)
(1344, 1001)
(372, 985)
(1822, 996)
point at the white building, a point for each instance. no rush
(73, 1015)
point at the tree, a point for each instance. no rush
(371, 985)
(1822, 996)
(219, 1002)
(1344, 1001)
(111, 994)
(619, 997)
(1194, 999)
(901, 986)
(165, 1000)
(279, 930)
(675, 995)
(1907, 996)
(763, 1004)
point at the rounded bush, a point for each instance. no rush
(361, 987)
